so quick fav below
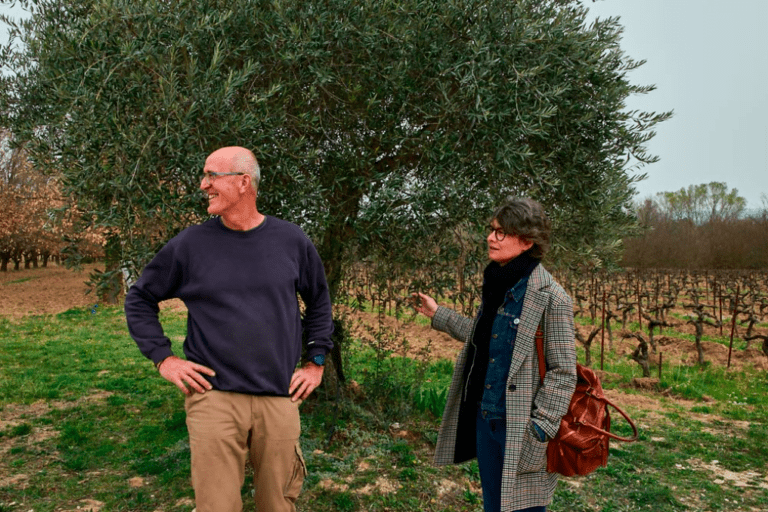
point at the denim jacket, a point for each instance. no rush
(502, 345)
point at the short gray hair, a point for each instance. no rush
(246, 163)
(527, 219)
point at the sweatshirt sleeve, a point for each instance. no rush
(158, 282)
(318, 316)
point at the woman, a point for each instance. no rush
(496, 409)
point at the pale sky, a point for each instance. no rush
(709, 62)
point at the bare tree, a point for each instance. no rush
(699, 320)
(587, 343)
(640, 355)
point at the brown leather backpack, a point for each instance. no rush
(581, 444)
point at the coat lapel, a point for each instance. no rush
(533, 309)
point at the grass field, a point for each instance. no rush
(87, 424)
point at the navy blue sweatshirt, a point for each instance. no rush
(240, 289)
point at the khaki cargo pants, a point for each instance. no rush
(223, 428)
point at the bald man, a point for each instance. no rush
(239, 274)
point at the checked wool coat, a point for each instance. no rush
(525, 480)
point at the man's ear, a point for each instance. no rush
(246, 183)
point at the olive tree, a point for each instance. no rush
(384, 128)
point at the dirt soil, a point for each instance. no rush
(56, 289)
(44, 291)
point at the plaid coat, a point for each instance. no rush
(525, 480)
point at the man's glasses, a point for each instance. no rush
(210, 177)
(498, 233)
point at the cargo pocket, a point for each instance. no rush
(293, 489)
(533, 454)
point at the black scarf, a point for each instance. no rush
(497, 280)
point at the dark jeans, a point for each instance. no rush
(491, 437)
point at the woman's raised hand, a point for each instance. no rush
(424, 304)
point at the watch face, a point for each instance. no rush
(319, 360)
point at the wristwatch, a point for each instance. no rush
(319, 359)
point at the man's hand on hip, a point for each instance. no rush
(305, 380)
(186, 375)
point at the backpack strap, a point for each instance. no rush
(635, 434)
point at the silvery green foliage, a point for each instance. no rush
(387, 129)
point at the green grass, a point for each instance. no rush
(733, 393)
(83, 414)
